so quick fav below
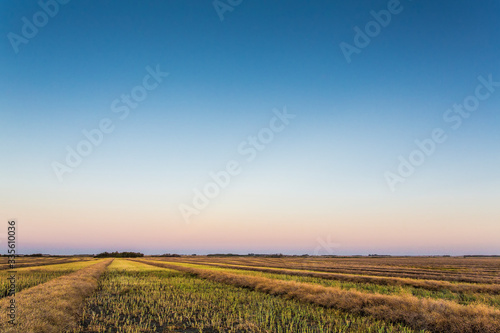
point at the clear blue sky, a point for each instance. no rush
(323, 176)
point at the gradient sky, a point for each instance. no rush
(319, 181)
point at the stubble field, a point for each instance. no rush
(256, 294)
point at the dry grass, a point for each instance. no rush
(54, 306)
(422, 314)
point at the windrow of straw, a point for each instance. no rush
(470, 274)
(421, 314)
(434, 285)
(54, 306)
(32, 262)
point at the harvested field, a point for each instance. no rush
(136, 297)
(252, 294)
(420, 314)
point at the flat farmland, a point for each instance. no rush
(258, 294)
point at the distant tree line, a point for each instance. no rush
(481, 256)
(275, 255)
(117, 254)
